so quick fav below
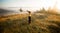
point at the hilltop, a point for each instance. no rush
(42, 22)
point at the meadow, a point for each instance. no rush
(42, 22)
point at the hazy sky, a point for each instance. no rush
(29, 4)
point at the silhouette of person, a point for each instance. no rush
(29, 17)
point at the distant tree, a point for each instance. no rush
(21, 10)
(43, 9)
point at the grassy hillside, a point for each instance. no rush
(41, 23)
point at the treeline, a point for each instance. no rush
(49, 11)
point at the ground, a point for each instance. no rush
(41, 23)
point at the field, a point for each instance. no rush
(42, 22)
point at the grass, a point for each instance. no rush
(47, 23)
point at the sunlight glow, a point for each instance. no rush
(31, 4)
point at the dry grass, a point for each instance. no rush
(47, 23)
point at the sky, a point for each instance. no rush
(29, 4)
